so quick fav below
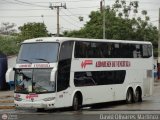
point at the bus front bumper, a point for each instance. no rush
(37, 104)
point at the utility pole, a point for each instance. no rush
(158, 65)
(102, 9)
(58, 7)
(104, 20)
(42, 18)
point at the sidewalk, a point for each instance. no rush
(6, 93)
(6, 100)
(156, 82)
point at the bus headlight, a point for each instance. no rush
(49, 99)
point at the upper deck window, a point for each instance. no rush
(88, 49)
(38, 53)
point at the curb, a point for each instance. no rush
(7, 96)
(7, 107)
(6, 101)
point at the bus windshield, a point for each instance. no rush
(33, 81)
(38, 53)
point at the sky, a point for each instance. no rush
(23, 11)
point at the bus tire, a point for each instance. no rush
(76, 103)
(129, 96)
(138, 95)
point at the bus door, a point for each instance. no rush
(63, 74)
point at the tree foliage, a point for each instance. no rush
(9, 39)
(122, 22)
(33, 30)
(7, 28)
(9, 45)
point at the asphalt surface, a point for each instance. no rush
(149, 109)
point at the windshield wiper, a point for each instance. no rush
(42, 59)
(26, 60)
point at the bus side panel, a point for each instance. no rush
(97, 94)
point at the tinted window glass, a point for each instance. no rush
(81, 49)
(99, 78)
(147, 51)
(66, 50)
(64, 66)
(33, 80)
(111, 50)
(41, 81)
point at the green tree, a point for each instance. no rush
(33, 30)
(9, 45)
(7, 28)
(9, 39)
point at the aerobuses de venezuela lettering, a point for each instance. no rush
(113, 64)
(86, 63)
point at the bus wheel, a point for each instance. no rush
(129, 96)
(76, 103)
(138, 96)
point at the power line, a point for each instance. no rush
(20, 10)
(44, 16)
(83, 7)
(70, 1)
(139, 1)
(66, 20)
(74, 15)
(46, 9)
(32, 3)
(23, 16)
(18, 2)
(10, 2)
(70, 15)
(13, 2)
(47, 15)
(29, 3)
(87, 1)
(71, 18)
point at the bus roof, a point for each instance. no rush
(62, 39)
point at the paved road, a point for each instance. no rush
(149, 109)
(88, 115)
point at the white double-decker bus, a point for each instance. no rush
(57, 72)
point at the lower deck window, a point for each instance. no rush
(92, 78)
